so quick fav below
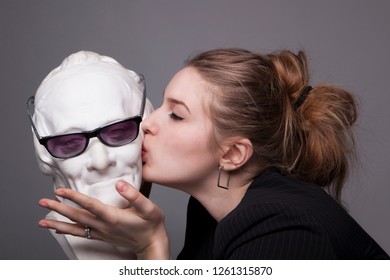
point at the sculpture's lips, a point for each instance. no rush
(108, 182)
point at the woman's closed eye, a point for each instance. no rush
(175, 117)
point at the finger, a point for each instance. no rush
(77, 215)
(64, 228)
(92, 205)
(143, 206)
(98, 209)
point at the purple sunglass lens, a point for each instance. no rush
(66, 145)
(120, 133)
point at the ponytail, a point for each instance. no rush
(326, 120)
(319, 121)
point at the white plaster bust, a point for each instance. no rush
(85, 92)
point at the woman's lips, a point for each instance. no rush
(143, 153)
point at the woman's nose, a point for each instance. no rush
(149, 125)
(99, 157)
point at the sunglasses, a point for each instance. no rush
(70, 145)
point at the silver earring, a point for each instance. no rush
(220, 169)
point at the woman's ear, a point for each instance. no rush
(236, 152)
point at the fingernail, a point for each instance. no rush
(43, 203)
(59, 192)
(43, 224)
(121, 186)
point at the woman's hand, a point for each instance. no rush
(140, 227)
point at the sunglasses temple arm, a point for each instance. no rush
(143, 101)
(34, 129)
(30, 118)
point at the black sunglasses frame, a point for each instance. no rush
(87, 134)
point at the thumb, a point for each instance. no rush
(143, 206)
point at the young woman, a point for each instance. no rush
(260, 152)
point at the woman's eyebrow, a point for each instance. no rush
(175, 101)
(178, 102)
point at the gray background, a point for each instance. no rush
(347, 42)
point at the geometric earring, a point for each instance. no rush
(220, 169)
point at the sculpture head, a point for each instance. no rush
(95, 94)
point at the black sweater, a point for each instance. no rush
(279, 217)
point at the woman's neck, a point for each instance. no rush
(219, 201)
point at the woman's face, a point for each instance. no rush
(177, 149)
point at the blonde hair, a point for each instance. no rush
(255, 96)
